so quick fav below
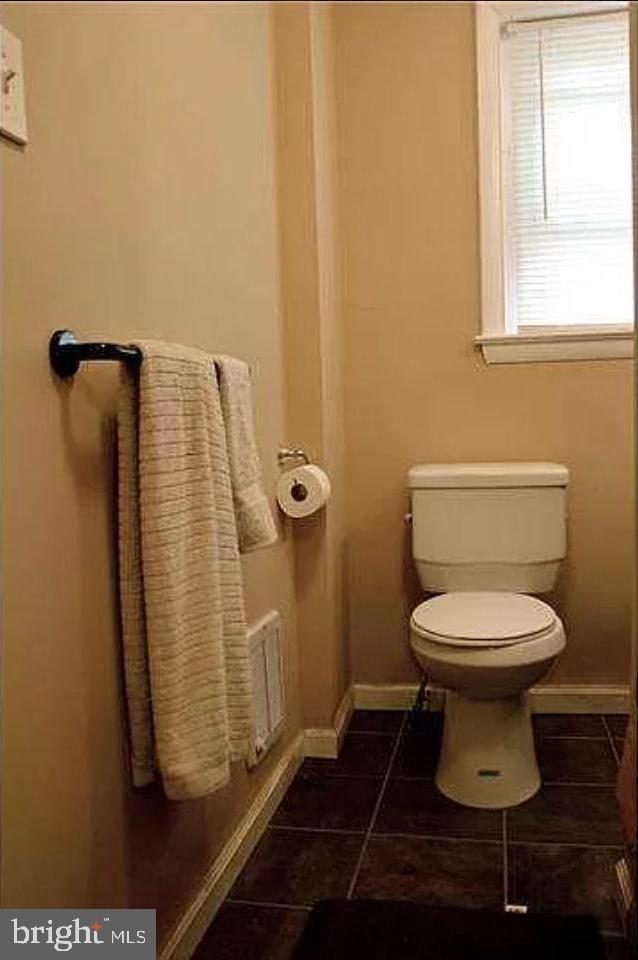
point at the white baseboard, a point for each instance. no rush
(223, 872)
(624, 893)
(580, 699)
(391, 696)
(326, 741)
(544, 699)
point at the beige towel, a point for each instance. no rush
(255, 525)
(186, 658)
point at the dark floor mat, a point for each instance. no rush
(388, 929)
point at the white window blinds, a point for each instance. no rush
(566, 116)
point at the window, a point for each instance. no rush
(556, 195)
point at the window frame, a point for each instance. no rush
(498, 342)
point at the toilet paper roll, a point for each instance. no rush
(303, 491)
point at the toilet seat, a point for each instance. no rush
(482, 619)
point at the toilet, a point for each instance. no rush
(484, 537)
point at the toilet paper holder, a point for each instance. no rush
(303, 488)
(285, 454)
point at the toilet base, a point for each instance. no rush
(487, 755)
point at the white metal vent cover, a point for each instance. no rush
(264, 638)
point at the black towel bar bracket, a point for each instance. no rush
(66, 353)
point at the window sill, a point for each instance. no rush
(551, 347)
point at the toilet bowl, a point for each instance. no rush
(487, 649)
(487, 538)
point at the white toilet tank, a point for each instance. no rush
(488, 526)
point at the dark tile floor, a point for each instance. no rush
(372, 824)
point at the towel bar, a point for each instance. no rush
(66, 353)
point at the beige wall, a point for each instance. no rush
(161, 184)
(416, 390)
(144, 205)
(311, 290)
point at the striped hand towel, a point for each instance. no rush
(255, 525)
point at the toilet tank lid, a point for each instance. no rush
(425, 476)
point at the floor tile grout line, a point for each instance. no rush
(590, 784)
(336, 830)
(493, 841)
(546, 736)
(610, 740)
(579, 783)
(583, 784)
(306, 908)
(412, 779)
(546, 783)
(328, 775)
(567, 843)
(377, 807)
(505, 861)
(384, 835)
